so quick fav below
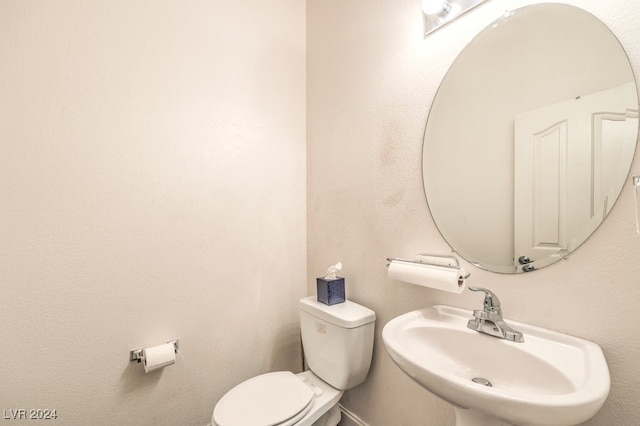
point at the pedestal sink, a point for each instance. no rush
(550, 379)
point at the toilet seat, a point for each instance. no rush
(279, 398)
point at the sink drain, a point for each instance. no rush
(481, 381)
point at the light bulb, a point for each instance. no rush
(434, 7)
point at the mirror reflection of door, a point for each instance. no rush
(565, 187)
(530, 59)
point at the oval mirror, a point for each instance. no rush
(530, 138)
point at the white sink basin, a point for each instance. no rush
(549, 379)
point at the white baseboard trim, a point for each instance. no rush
(350, 419)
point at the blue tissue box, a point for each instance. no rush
(330, 292)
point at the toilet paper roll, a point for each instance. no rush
(159, 356)
(437, 277)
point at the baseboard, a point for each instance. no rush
(350, 419)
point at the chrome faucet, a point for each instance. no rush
(489, 319)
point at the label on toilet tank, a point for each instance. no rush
(321, 328)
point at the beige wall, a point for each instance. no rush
(152, 187)
(371, 79)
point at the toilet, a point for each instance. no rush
(338, 344)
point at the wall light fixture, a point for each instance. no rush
(440, 12)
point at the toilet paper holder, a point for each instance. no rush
(138, 354)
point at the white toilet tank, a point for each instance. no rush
(337, 341)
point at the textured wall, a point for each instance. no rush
(152, 186)
(370, 81)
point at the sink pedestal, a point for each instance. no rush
(471, 417)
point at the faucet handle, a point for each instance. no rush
(491, 301)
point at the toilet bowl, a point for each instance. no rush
(338, 344)
(280, 398)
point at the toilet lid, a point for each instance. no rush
(266, 400)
